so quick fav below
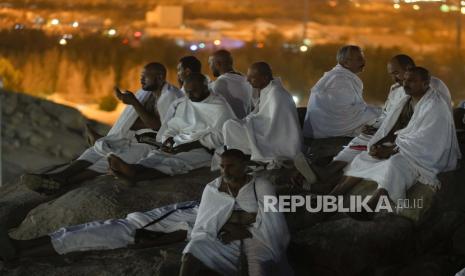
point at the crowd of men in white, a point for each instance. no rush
(238, 120)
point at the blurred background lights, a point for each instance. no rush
(193, 47)
(111, 32)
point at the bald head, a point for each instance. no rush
(352, 58)
(153, 76)
(220, 62)
(156, 68)
(397, 67)
(259, 75)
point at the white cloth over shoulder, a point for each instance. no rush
(120, 140)
(442, 89)
(237, 92)
(269, 230)
(396, 93)
(422, 152)
(189, 121)
(271, 133)
(169, 94)
(336, 106)
(128, 117)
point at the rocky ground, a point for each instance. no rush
(388, 245)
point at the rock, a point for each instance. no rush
(459, 240)
(15, 202)
(36, 141)
(24, 134)
(9, 103)
(106, 197)
(68, 116)
(350, 247)
(163, 261)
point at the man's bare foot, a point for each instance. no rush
(121, 169)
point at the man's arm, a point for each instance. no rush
(236, 228)
(150, 120)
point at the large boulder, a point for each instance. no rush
(162, 261)
(107, 197)
(349, 247)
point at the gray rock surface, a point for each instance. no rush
(106, 198)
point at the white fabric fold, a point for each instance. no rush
(271, 133)
(237, 92)
(428, 143)
(270, 228)
(336, 106)
(189, 121)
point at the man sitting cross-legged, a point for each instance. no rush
(331, 173)
(232, 233)
(189, 135)
(271, 133)
(415, 142)
(143, 116)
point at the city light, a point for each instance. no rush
(396, 6)
(137, 34)
(444, 8)
(462, 10)
(260, 45)
(63, 42)
(307, 42)
(55, 21)
(416, 7)
(75, 24)
(193, 48)
(201, 45)
(111, 32)
(303, 48)
(217, 42)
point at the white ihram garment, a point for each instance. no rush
(271, 133)
(427, 146)
(237, 92)
(120, 140)
(336, 106)
(270, 235)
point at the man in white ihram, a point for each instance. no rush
(271, 134)
(230, 84)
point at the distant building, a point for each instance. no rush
(165, 16)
